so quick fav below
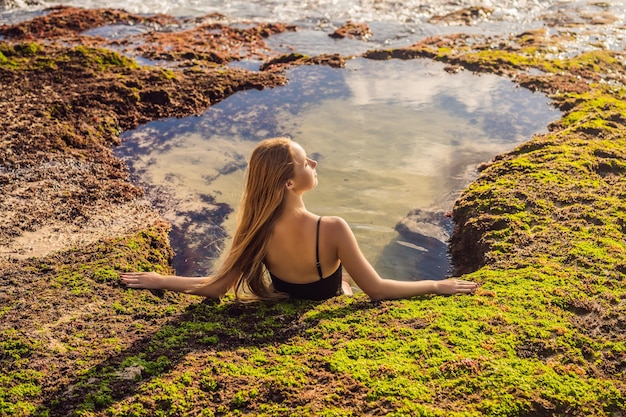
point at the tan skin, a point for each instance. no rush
(291, 252)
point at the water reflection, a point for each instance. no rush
(390, 137)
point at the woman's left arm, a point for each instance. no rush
(378, 288)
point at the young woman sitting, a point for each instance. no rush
(280, 249)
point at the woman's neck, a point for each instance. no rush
(294, 203)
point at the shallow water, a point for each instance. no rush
(389, 137)
(393, 23)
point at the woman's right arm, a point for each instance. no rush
(188, 285)
(378, 288)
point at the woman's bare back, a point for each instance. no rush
(292, 248)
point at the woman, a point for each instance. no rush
(302, 253)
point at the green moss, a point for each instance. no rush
(105, 274)
(27, 49)
(597, 61)
(149, 368)
(22, 55)
(538, 338)
(19, 391)
(20, 49)
(101, 59)
(443, 52)
(497, 58)
(15, 346)
(242, 398)
(98, 398)
(33, 56)
(6, 49)
(74, 281)
(133, 410)
(601, 109)
(168, 74)
(5, 309)
(6, 57)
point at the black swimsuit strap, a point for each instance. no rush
(317, 249)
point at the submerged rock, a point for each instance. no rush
(428, 232)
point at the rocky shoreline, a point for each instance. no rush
(542, 228)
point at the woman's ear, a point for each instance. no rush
(289, 184)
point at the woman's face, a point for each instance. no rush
(305, 176)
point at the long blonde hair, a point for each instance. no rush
(271, 166)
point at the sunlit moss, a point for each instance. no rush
(547, 220)
(19, 390)
(102, 59)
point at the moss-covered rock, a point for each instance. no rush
(542, 228)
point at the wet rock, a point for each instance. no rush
(467, 16)
(352, 30)
(66, 21)
(159, 97)
(427, 232)
(9, 4)
(425, 228)
(59, 127)
(292, 60)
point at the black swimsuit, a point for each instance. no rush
(317, 290)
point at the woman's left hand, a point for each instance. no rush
(455, 286)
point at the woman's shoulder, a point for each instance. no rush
(333, 221)
(335, 224)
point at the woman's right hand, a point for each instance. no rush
(148, 280)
